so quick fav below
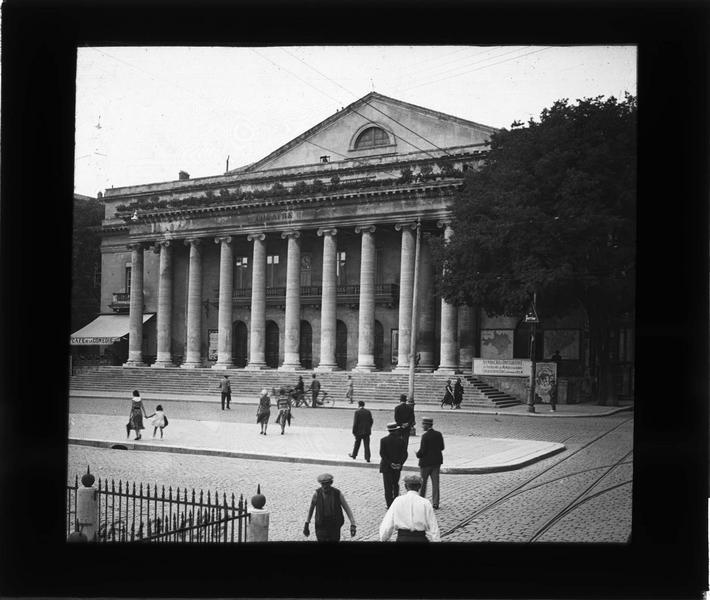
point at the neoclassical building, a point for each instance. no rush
(305, 258)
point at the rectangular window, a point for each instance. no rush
(394, 338)
(271, 261)
(127, 283)
(241, 279)
(379, 265)
(97, 275)
(340, 271)
(306, 264)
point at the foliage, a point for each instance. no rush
(552, 211)
(86, 259)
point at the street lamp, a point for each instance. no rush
(532, 318)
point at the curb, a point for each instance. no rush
(152, 447)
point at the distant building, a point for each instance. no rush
(303, 259)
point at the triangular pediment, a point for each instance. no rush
(408, 129)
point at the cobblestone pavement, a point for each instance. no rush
(545, 489)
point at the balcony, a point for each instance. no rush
(385, 293)
(121, 302)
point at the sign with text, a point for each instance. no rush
(500, 367)
(213, 336)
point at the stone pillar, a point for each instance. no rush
(135, 314)
(465, 319)
(193, 358)
(427, 320)
(448, 356)
(328, 323)
(257, 334)
(366, 322)
(406, 289)
(224, 319)
(164, 356)
(292, 317)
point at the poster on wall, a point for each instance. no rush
(394, 338)
(497, 343)
(545, 381)
(566, 341)
(213, 336)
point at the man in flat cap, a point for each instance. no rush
(411, 516)
(430, 458)
(393, 454)
(328, 503)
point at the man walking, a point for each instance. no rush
(226, 389)
(430, 459)
(328, 503)
(393, 454)
(362, 428)
(404, 417)
(314, 388)
(411, 515)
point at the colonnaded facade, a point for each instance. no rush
(305, 258)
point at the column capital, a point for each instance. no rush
(408, 225)
(292, 233)
(158, 244)
(365, 229)
(192, 241)
(443, 223)
(223, 238)
(256, 236)
(136, 246)
(327, 231)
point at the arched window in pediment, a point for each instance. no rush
(372, 137)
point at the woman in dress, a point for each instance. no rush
(135, 418)
(264, 411)
(284, 407)
(458, 393)
(448, 395)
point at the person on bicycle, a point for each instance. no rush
(314, 388)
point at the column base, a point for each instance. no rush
(401, 369)
(327, 368)
(223, 366)
(446, 371)
(256, 367)
(291, 367)
(163, 364)
(191, 365)
(364, 368)
(134, 363)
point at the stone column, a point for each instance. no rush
(164, 356)
(224, 319)
(427, 320)
(448, 356)
(193, 358)
(135, 314)
(257, 334)
(292, 317)
(406, 289)
(366, 322)
(465, 319)
(328, 321)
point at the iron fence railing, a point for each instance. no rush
(382, 290)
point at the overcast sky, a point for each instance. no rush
(143, 114)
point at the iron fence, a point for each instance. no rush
(71, 524)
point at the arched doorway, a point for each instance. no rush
(341, 345)
(239, 343)
(379, 346)
(305, 345)
(272, 345)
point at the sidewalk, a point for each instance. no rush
(315, 445)
(521, 410)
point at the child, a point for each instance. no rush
(160, 421)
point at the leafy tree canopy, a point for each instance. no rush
(86, 257)
(552, 210)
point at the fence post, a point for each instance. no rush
(87, 515)
(258, 526)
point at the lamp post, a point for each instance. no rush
(415, 313)
(532, 318)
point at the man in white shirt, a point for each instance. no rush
(411, 516)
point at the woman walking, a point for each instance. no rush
(458, 393)
(350, 392)
(264, 411)
(283, 404)
(135, 418)
(448, 395)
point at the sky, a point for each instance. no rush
(145, 113)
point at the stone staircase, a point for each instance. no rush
(370, 387)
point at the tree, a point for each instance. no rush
(86, 260)
(552, 211)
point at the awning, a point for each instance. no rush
(104, 329)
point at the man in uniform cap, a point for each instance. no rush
(404, 416)
(328, 503)
(411, 515)
(393, 454)
(430, 458)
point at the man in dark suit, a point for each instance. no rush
(430, 459)
(362, 428)
(404, 417)
(393, 454)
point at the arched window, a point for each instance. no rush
(371, 138)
